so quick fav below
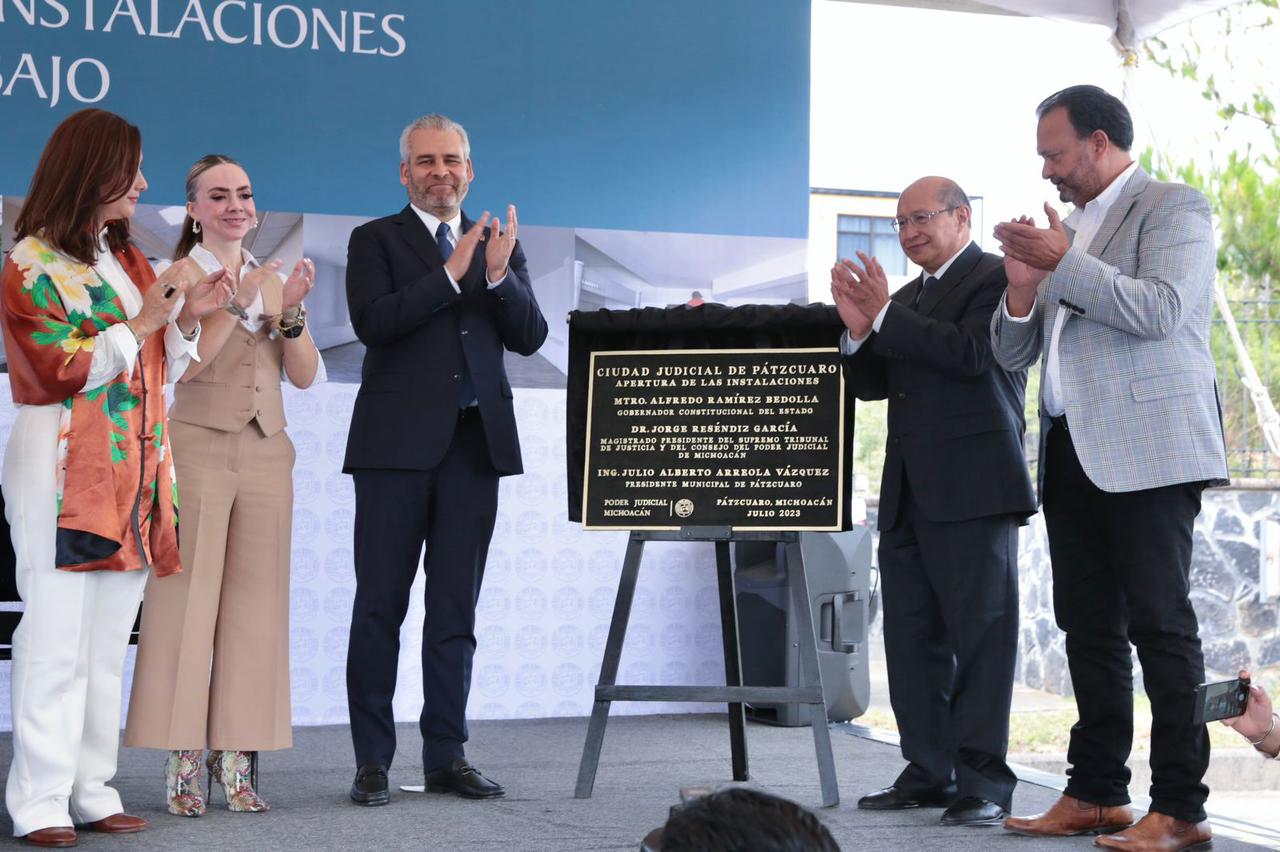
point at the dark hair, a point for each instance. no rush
(744, 820)
(1090, 108)
(91, 159)
(187, 239)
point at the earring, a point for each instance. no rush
(195, 226)
(255, 221)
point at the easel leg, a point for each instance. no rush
(609, 667)
(732, 660)
(811, 674)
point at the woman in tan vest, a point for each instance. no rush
(213, 654)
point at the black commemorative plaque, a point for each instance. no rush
(745, 438)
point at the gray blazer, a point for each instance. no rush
(1138, 380)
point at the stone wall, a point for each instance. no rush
(1237, 629)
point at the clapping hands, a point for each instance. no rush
(299, 283)
(209, 294)
(251, 282)
(860, 292)
(204, 295)
(498, 249)
(1030, 254)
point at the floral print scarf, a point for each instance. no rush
(116, 488)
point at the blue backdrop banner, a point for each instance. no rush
(646, 115)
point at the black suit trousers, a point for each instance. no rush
(452, 509)
(1121, 563)
(950, 594)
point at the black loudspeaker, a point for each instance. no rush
(837, 566)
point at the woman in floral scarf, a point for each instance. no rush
(88, 480)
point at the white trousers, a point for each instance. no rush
(68, 650)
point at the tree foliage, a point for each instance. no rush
(1236, 73)
(1235, 92)
(1230, 61)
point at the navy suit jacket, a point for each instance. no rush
(420, 335)
(956, 423)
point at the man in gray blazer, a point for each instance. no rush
(1116, 302)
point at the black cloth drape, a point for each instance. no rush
(707, 326)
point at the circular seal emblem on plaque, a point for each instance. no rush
(684, 508)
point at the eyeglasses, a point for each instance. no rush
(917, 219)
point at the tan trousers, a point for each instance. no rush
(213, 652)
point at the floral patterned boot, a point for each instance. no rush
(182, 783)
(237, 772)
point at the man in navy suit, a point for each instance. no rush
(436, 299)
(954, 490)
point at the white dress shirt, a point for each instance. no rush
(1085, 221)
(209, 262)
(455, 230)
(121, 350)
(849, 346)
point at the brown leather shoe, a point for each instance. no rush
(1158, 833)
(1070, 816)
(58, 836)
(118, 824)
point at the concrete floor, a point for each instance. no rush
(1243, 787)
(644, 763)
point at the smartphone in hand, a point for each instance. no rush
(1221, 700)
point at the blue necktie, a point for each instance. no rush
(925, 286)
(442, 240)
(467, 392)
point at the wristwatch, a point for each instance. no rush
(294, 329)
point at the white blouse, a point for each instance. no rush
(209, 262)
(121, 350)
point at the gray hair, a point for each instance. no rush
(951, 195)
(435, 121)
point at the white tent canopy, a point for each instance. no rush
(1129, 20)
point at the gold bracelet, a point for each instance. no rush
(292, 329)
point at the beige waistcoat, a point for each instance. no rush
(242, 383)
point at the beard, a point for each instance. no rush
(437, 197)
(1081, 185)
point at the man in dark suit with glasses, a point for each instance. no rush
(954, 491)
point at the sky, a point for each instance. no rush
(899, 93)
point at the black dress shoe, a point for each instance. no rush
(974, 811)
(464, 779)
(897, 799)
(370, 786)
